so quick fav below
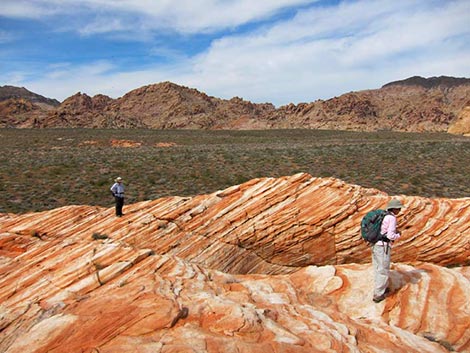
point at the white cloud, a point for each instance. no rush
(16, 78)
(326, 52)
(319, 53)
(28, 9)
(63, 80)
(103, 25)
(403, 31)
(190, 16)
(186, 16)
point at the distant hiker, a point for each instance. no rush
(118, 192)
(381, 250)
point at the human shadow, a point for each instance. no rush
(399, 278)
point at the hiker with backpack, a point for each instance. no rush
(379, 228)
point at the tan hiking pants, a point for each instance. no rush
(381, 254)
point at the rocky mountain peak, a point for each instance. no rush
(83, 102)
(432, 82)
(12, 92)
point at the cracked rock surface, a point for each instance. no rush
(271, 265)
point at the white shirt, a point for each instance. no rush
(118, 189)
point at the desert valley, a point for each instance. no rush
(269, 263)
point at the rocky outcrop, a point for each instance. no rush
(170, 106)
(22, 113)
(416, 104)
(160, 106)
(269, 225)
(462, 125)
(272, 265)
(78, 111)
(399, 107)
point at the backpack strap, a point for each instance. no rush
(383, 236)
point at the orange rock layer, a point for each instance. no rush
(272, 265)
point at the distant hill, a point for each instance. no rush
(432, 82)
(22, 108)
(12, 92)
(415, 104)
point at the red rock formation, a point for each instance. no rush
(169, 106)
(79, 110)
(462, 125)
(272, 265)
(416, 104)
(19, 112)
(393, 107)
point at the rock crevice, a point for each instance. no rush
(271, 265)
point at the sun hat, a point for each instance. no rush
(394, 203)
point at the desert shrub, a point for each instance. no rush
(99, 236)
(43, 169)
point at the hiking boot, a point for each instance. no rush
(379, 298)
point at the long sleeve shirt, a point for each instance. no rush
(117, 189)
(389, 228)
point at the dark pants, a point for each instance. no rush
(119, 204)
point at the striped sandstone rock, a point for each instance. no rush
(272, 265)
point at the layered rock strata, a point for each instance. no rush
(272, 265)
(266, 225)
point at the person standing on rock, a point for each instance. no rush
(118, 192)
(381, 250)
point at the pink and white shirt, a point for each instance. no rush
(389, 228)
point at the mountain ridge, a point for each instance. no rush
(13, 92)
(415, 104)
(445, 81)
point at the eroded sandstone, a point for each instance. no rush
(272, 265)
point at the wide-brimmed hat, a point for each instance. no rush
(118, 179)
(394, 203)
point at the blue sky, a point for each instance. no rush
(277, 51)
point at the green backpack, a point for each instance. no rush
(370, 226)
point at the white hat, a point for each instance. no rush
(118, 179)
(394, 203)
